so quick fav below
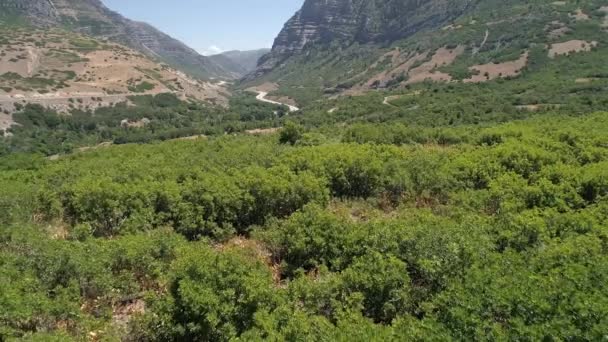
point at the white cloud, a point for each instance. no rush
(211, 50)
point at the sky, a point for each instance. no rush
(213, 26)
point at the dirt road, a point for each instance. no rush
(262, 97)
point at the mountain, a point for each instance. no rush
(92, 17)
(349, 47)
(239, 63)
(64, 70)
(360, 21)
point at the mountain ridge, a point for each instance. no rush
(92, 17)
(238, 62)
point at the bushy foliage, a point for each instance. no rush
(164, 117)
(467, 233)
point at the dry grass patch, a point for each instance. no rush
(571, 46)
(492, 71)
(401, 65)
(426, 71)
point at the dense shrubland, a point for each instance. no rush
(45, 131)
(382, 232)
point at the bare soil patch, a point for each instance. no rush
(426, 71)
(571, 46)
(492, 71)
(585, 80)
(579, 15)
(6, 121)
(14, 61)
(263, 131)
(401, 65)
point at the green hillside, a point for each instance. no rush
(492, 40)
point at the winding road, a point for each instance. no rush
(262, 97)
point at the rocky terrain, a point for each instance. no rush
(92, 17)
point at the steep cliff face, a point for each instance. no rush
(92, 17)
(361, 21)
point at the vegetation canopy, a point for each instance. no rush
(372, 233)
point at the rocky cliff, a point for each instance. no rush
(360, 21)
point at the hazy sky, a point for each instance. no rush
(210, 26)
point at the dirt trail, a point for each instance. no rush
(33, 61)
(388, 99)
(262, 97)
(483, 43)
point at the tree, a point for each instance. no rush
(291, 133)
